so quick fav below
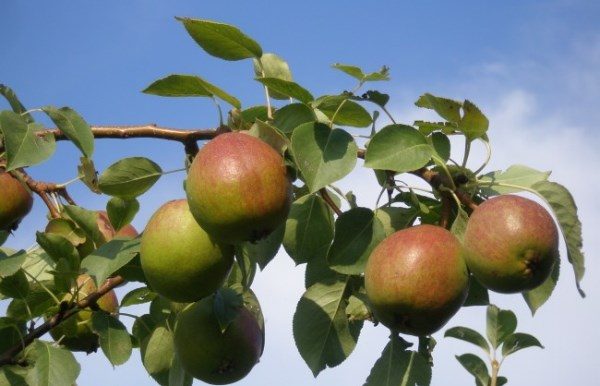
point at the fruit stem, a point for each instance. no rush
(329, 201)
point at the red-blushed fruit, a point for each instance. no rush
(416, 279)
(80, 337)
(179, 259)
(15, 201)
(212, 356)
(238, 188)
(511, 244)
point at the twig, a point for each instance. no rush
(329, 201)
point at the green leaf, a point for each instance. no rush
(446, 108)
(459, 225)
(357, 233)
(478, 294)
(159, 352)
(58, 247)
(36, 304)
(38, 264)
(111, 256)
(178, 85)
(399, 367)
(538, 296)
(14, 102)
(87, 220)
(323, 155)
(4, 236)
(287, 88)
(342, 111)
(427, 128)
(399, 148)
(308, 229)
(441, 145)
(264, 250)
(517, 177)
(23, 142)
(468, 335)
(293, 115)
(89, 176)
(74, 127)
(244, 269)
(53, 366)
(226, 306)
(318, 271)
(129, 177)
(13, 375)
(272, 66)
(15, 286)
(394, 219)
(121, 211)
(323, 335)
(221, 40)
(138, 296)
(473, 123)
(476, 366)
(115, 341)
(10, 263)
(67, 229)
(500, 324)
(565, 210)
(519, 341)
(177, 375)
(270, 135)
(357, 73)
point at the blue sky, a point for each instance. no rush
(531, 66)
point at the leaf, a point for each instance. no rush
(24, 144)
(115, 341)
(427, 128)
(14, 102)
(181, 85)
(36, 304)
(129, 177)
(565, 210)
(473, 123)
(308, 229)
(399, 367)
(342, 111)
(459, 225)
(500, 324)
(269, 135)
(57, 247)
(468, 335)
(288, 88)
(264, 250)
(13, 375)
(293, 115)
(476, 366)
(138, 296)
(107, 259)
(87, 220)
(519, 177)
(446, 108)
(394, 219)
(226, 307)
(441, 145)
(53, 366)
(89, 176)
(74, 127)
(323, 155)
(519, 341)
(357, 73)
(15, 286)
(357, 233)
(538, 296)
(11, 263)
(159, 351)
(177, 374)
(478, 294)
(221, 40)
(399, 148)
(323, 335)
(272, 66)
(67, 229)
(121, 211)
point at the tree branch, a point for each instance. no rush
(66, 311)
(329, 201)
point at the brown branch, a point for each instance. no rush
(446, 211)
(329, 201)
(65, 312)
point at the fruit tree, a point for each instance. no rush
(263, 178)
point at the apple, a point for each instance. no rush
(417, 279)
(238, 188)
(15, 201)
(213, 356)
(511, 244)
(179, 259)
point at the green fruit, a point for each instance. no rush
(15, 201)
(214, 357)
(179, 259)
(416, 279)
(238, 188)
(511, 244)
(76, 333)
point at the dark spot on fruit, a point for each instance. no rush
(225, 367)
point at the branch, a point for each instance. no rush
(66, 311)
(436, 180)
(329, 201)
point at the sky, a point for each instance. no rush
(531, 66)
